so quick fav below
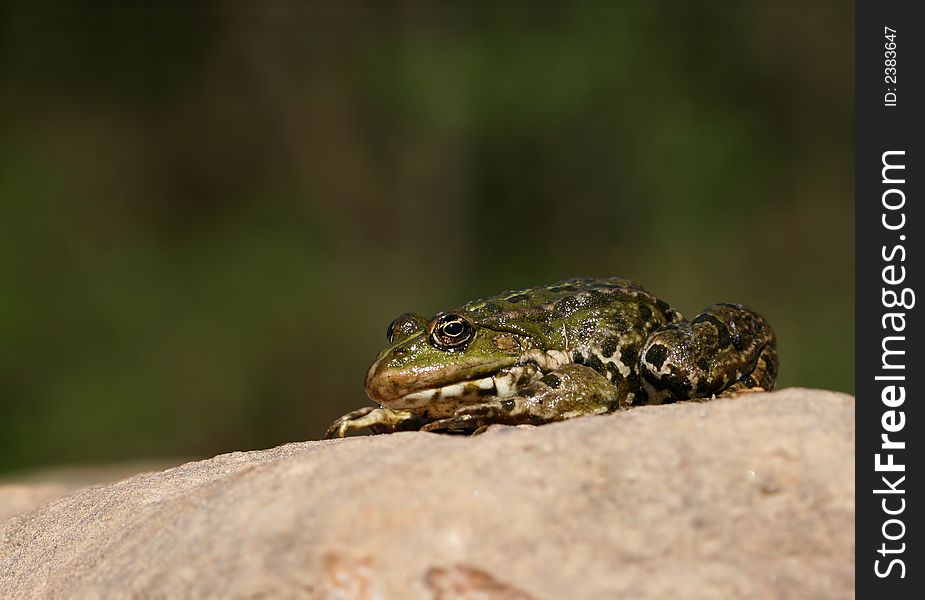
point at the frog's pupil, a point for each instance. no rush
(453, 328)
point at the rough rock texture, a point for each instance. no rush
(22, 492)
(749, 497)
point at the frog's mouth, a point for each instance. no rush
(501, 384)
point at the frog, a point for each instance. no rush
(579, 347)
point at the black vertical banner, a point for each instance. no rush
(890, 168)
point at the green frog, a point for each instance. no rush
(552, 352)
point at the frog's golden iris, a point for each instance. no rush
(548, 353)
(450, 332)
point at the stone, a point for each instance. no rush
(749, 497)
(18, 498)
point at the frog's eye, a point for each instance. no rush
(390, 332)
(451, 332)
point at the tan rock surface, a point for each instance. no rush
(749, 497)
(17, 498)
(25, 491)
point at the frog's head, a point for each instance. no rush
(448, 357)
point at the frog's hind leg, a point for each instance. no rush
(727, 348)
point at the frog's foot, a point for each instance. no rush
(570, 391)
(738, 389)
(762, 378)
(726, 349)
(477, 417)
(377, 419)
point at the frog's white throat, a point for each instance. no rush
(503, 384)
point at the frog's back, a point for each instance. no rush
(570, 300)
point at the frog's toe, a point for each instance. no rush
(475, 418)
(739, 389)
(342, 425)
(375, 418)
(337, 429)
(457, 423)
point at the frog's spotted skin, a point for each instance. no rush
(578, 347)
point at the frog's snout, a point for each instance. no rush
(379, 387)
(386, 382)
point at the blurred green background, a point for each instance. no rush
(209, 215)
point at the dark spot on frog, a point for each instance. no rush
(674, 382)
(595, 363)
(615, 375)
(703, 365)
(552, 381)
(645, 312)
(564, 288)
(400, 351)
(656, 355)
(722, 332)
(609, 347)
(518, 298)
(634, 381)
(508, 405)
(578, 358)
(737, 342)
(629, 356)
(704, 317)
(619, 324)
(770, 367)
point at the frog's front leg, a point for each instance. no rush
(725, 349)
(378, 419)
(569, 391)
